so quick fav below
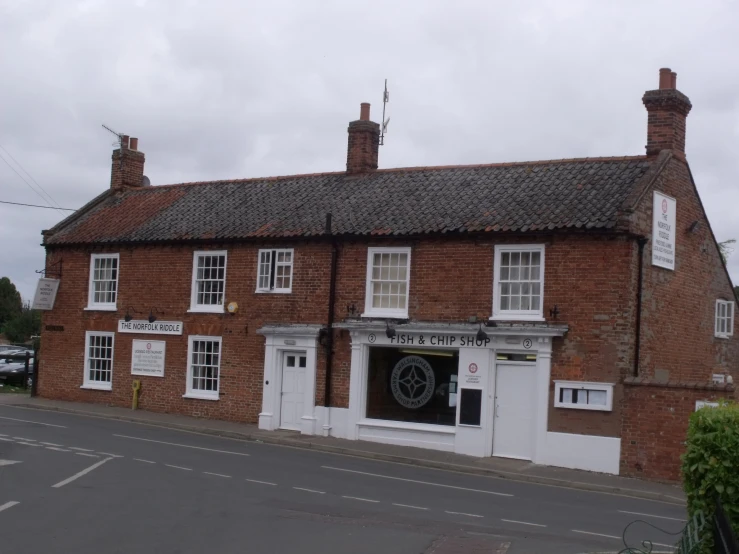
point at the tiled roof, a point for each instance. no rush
(565, 194)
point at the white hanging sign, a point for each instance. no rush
(45, 294)
(663, 231)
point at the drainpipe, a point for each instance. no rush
(329, 329)
(641, 241)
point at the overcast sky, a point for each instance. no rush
(226, 89)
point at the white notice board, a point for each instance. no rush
(147, 357)
(45, 294)
(663, 231)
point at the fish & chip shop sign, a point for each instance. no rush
(431, 339)
(156, 328)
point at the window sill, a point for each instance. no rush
(407, 426)
(385, 315)
(97, 387)
(276, 291)
(513, 317)
(218, 310)
(199, 396)
(101, 309)
(584, 407)
(723, 336)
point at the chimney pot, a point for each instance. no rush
(134, 143)
(364, 111)
(665, 78)
(673, 80)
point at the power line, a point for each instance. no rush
(29, 185)
(37, 206)
(24, 170)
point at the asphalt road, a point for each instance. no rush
(80, 484)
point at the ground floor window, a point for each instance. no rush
(418, 386)
(203, 367)
(99, 360)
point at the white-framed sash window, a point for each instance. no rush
(103, 287)
(203, 367)
(208, 281)
(518, 282)
(388, 282)
(98, 360)
(724, 319)
(275, 270)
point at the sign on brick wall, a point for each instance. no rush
(45, 294)
(147, 357)
(663, 231)
(156, 328)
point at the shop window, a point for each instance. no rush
(724, 318)
(208, 281)
(98, 360)
(388, 276)
(583, 396)
(275, 272)
(203, 367)
(103, 289)
(414, 386)
(518, 282)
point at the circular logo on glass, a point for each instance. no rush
(412, 382)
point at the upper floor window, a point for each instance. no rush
(724, 318)
(103, 289)
(518, 282)
(388, 275)
(275, 270)
(208, 281)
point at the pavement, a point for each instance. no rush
(90, 483)
(502, 468)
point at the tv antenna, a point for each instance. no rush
(385, 100)
(119, 136)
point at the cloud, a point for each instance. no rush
(228, 89)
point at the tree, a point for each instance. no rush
(736, 291)
(726, 249)
(10, 301)
(23, 326)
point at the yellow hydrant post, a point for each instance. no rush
(136, 388)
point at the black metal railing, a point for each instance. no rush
(28, 366)
(724, 538)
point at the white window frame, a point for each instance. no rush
(584, 385)
(274, 252)
(197, 393)
(207, 308)
(729, 318)
(107, 306)
(87, 383)
(399, 313)
(516, 315)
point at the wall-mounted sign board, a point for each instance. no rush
(470, 406)
(663, 231)
(45, 294)
(156, 328)
(147, 357)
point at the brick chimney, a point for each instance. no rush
(668, 109)
(364, 143)
(127, 169)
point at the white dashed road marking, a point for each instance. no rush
(36, 422)
(6, 440)
(523, 522)
(651, 515)
(461, 514)
(409, 506)
(81, 449)
(86, 454)
(28, 443)
(145, 461)
(80, 474)
(184, 445)
(8, 462)
(179, 467)
(111, 455)
(8, 505)
(361, 499)
(261, 482)
(217, 474)
(597, 534)
(24, 439)
(51, 444)
(308, 490)
(56, 449)
(415, 481)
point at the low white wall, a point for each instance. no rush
(338, 421)
(396, 433)
(587, 452)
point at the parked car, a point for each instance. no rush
(12, 370)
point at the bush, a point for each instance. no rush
(711, 463)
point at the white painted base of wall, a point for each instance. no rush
(436, 437)
(338, 422)
(587, 452)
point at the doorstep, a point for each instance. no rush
(515, 470)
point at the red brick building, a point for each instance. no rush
(569, 312)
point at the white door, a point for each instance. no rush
(513, 428)
(293, 388)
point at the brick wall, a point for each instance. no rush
(656, 423)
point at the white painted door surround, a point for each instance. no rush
(299, 340)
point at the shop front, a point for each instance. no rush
(452, 387)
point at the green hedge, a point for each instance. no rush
(711, 462)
